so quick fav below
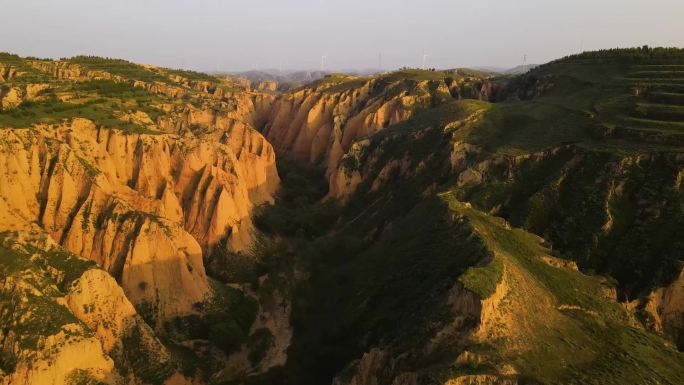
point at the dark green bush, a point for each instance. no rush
(228, 336)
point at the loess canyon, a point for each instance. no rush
(415, 227)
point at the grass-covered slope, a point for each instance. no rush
(552, 323)
(615, 103)
(587, 151)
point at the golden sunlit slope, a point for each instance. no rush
(143, 170)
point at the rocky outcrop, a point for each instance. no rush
(100, 303)
(11, 97)
(97, 301)
(267, 85)
(42, 341)
(8, 72)
(67, 321)
(663, 310)
(57, 367)
(323, 120)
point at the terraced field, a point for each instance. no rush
(609, 103)
(656, 113)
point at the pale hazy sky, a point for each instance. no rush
(233, 34)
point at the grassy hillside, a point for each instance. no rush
(592, 149)
(600, 106)
(584, 336)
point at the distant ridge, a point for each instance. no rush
(289, 79)
(517, 70)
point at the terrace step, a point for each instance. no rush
(666, 98)
(662, 112)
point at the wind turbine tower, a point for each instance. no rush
(424, 60)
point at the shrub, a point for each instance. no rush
(227, 336)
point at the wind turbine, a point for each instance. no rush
(424, 59)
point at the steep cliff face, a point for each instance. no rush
(322, 120)
(143, 171)
(144, 206)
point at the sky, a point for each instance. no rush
(231, 35)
